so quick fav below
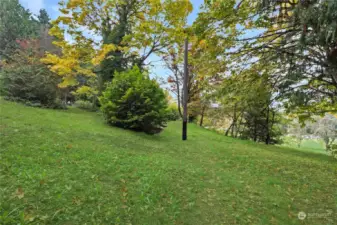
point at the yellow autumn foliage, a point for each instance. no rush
(80, 20)
(102, 53)
(85, 90)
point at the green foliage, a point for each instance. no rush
(261, 125)
(333, 150)
(29, 81)
(298, 36)
(247, 100)
(16, 23)
(133, 101)
(43, 17)
(116, 61)
(87, 91)
(86, 105)
(173, 113)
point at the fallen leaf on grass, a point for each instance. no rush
(45, 217)
(19, 193)
(29, 217)
(76, 201)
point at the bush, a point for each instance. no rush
(173, 113)
(29, 81)
(86, 105)
(133, 101)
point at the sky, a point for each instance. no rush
(52, 7)
(157, 69)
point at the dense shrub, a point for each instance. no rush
(133, 101)
(86, 105)
(29, 81)
(173, 113)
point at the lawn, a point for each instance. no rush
(69, 167)
(311, 145)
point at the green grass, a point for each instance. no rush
(68, 167)
(311, 145)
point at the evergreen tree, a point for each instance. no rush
(16, 23)
(43, 17)
(133, 101)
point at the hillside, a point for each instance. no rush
(68, 167)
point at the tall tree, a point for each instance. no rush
(16, 23)
(112, 34)
(205, 70)
(43, 17)
(247, 98)
(297, 35)
(326, 128)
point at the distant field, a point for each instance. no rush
(312, 145)
(69, 167)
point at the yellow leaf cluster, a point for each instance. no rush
(202, 43)
(57, 32)
(157, 21)
(75, 3)
(102, 53)
(85, 90)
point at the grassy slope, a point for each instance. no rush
(68, 167)
(312, 145)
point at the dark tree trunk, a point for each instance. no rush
(234, 121)
(66, 96)
(239, 127)
(185, 91)
(179, 99)
(202, 116)
(255, 130)
(228, 129)
(267, 127)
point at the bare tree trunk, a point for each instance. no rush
(65, 96)
(185, 87)
(179, 98)
(234, 120)
(272, 122)
(328, 143)
(228, 129)
(255, 130)
(267, 127)
(239, 127)
(202, 115)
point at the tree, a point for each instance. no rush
(43, 17)
(297, 35)
(29, 81)
(133, 101)
(298, 131)
(16, 23)
(204, 72)
(113, 35)
(247, 98)
(326, 128)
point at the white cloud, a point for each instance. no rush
(33, 5)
